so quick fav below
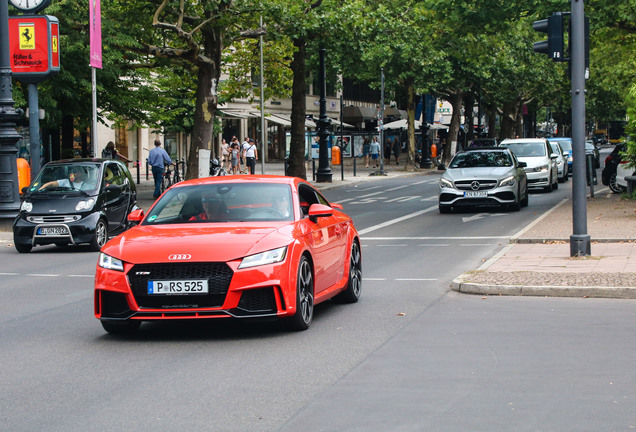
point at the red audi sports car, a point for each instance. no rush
(231, 246)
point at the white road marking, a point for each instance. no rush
(481, 216)
(416, 279)
(397, 220)
(436, 238)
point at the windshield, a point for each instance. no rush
(223, 202)
(566, 145)
(481, 160)
(526, 149)
(62, 178)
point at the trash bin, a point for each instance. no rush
(335, 155)
(24, 174)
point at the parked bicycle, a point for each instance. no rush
(172, 175)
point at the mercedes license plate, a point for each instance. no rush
(53, 231)
(475, 194)
(176, 287)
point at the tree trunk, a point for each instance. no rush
(298, 113)
(469, 103)
(206, 100)
(409, 163)
(450, 147)
(508, 120)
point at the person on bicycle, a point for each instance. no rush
(157, 158)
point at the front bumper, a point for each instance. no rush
(260, 292)
(499, 196)
(538, 179)
(73, 229)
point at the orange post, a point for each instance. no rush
(433, 150)
(24, 173)
(335, 155)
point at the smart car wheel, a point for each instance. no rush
(100, 236)
(354, 286)
(304, 297)
(23, 248)
(121, 327)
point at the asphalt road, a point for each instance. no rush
(408, 356)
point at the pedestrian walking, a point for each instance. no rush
(244, 146)
(110, 152)
(157, 158)
(397, 149)
(225, 154)
(234, 156)
(251, 156)
(365, 151)
(374, 149)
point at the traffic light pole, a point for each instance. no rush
(580, 239)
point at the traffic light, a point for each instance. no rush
(553, 26)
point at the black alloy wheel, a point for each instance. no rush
(615, 187)
(304, 297)
(354, 285)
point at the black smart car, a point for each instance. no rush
(75, 201)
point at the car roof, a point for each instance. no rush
(559, 139)
(273, 179)
(477, 149)
(80, 160)
(522, 140)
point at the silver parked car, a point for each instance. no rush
(539, 158)
(483, 177)
(562, 163)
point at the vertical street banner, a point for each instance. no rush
(95, 18)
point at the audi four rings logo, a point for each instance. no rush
(474, 185)
(179, 257)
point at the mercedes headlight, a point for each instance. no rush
(508, 181)
(269, 257)
(110, 263)
(26, 206)
(443, 183)
(85, 205)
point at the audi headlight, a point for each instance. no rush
(269, 257)
(508, 181)
(110, 263)
(26, 206)
(541, 168)
(443, 183)
(85, 205)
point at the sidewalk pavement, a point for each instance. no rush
(537, 261)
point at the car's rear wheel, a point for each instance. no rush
(121, 327)
(615, 187)
(100, 236)
(354, 285)
(304, 296)
(23, 248)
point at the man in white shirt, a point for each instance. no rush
(76, 180)
(251, 155)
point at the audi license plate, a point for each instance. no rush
(53, 231)
(176, 287)
(475, 194)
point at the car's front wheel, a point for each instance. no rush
(304, 296)
(444, 209)
(121, 327)
(100, 236)
(23, 248)
(354, 285)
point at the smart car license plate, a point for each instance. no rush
(176, 287)
(53, 231)
(475, 194)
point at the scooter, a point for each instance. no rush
(216, 169)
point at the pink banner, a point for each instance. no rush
(95, 18)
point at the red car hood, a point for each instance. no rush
(203, 242)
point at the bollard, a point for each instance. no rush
(313, 168)
(630, 184)
(355, 159)
(146, 169)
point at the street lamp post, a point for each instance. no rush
(9, 194)
(324, 173)
(425, 160)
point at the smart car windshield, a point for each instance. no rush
(527, 149)
(223, 202)
(63, 178)
(481, 160)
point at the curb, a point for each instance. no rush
(463, 287)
